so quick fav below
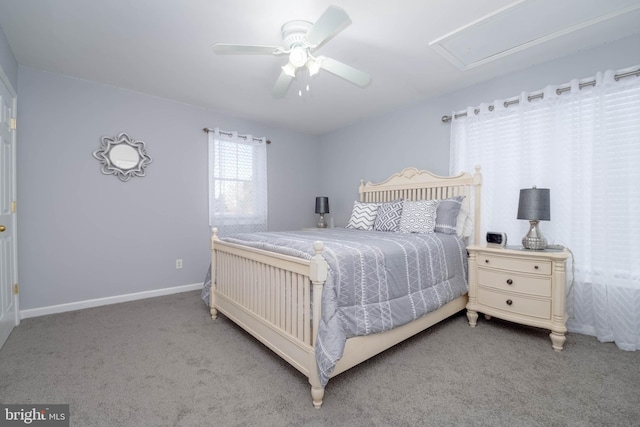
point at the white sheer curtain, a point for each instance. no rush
(237, 182)
(584, 145)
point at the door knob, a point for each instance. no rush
(2, 228)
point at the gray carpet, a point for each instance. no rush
(164, 362)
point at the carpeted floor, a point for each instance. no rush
(164, 362)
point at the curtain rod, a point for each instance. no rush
(207, 130)
(560, 90)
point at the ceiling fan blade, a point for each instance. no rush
(345, 71)
(282, 85)
(227, 48)
(332, 21)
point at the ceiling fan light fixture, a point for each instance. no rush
(313, 66)
(298, 56)
(289, 70)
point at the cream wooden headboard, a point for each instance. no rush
(415, 184)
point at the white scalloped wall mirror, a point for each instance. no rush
(122, 156)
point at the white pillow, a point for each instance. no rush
(363, 216)
(418, 216)
(464, 223)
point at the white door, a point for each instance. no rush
(8, 254)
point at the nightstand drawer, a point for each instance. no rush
(521, 286)
(508, 281)
(515, 304)
(515, 264)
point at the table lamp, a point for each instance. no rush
(535, 206)
(322, 207)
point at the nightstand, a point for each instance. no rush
(519, 285)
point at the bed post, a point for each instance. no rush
(212, 294)
(477, 184)
(318, 275)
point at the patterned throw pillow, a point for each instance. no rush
(418, 216)
(388, 218)
(447, 215)
(363, 216)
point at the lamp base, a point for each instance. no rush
(534, 240)
(321, 222)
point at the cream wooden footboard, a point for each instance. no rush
(277, 298)
(269, 295)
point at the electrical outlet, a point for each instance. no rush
(179, 263)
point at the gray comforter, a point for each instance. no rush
(377, 280)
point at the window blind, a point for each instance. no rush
(237, 183)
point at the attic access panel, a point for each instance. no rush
(523, 24)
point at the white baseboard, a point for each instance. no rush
(79, 305)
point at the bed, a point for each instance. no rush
(287, 288)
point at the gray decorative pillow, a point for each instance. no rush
(388, 218)
(447, 215)
(363, 216)
(418, 216)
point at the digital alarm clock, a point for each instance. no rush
(496, 239)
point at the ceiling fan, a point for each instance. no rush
(301, 40)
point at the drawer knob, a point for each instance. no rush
(509, 282)
(509, 302)
(535, 266)
(486, 261)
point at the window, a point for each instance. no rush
(583, 143)
(237, 182)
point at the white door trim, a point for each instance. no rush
(8, 288)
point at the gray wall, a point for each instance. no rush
(8, 61)
(415, 135)
(378, 147)
(85, 235)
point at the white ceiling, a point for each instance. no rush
(163, 48)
